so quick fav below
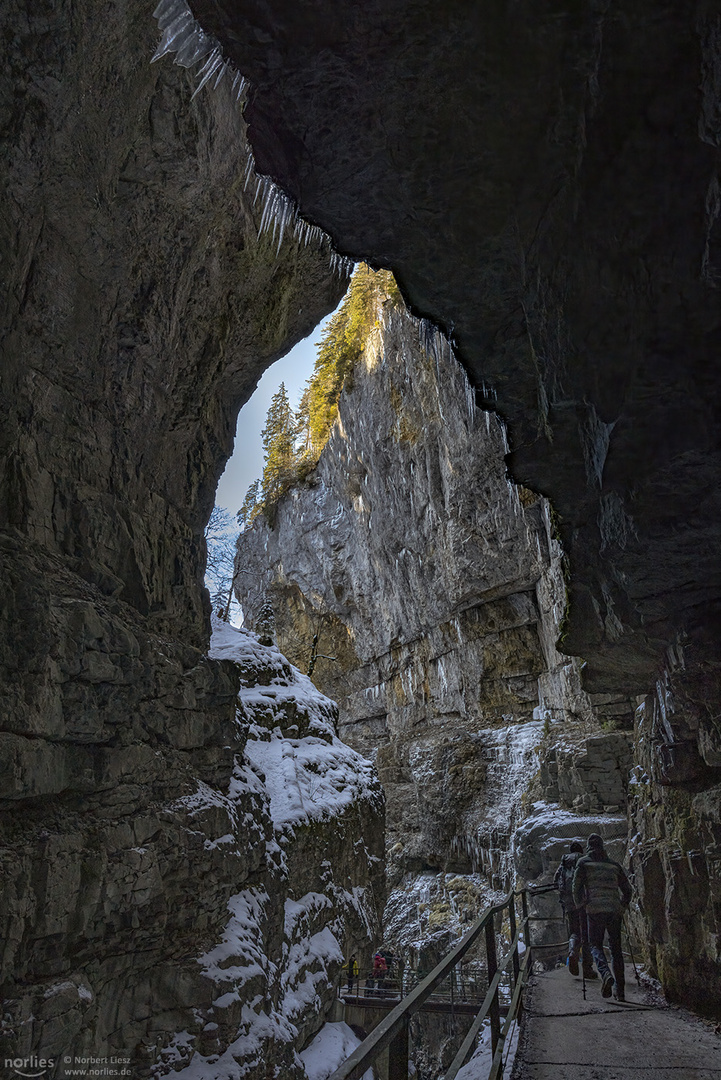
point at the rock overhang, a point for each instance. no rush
(541, 182)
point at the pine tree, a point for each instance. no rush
(279, 446)
(341, 347)
(303, 441)
(292, 443)
(250, 508)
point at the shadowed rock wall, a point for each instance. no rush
(139, 310)
(543, 181)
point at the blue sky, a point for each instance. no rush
(246, 463)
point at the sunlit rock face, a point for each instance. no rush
(437, 586)
(140, 308)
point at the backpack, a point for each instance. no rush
(564, 878)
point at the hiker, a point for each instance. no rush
(574, 916)
(601, 885)
(380, 970)
(352, 966)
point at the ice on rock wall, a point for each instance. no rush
(193, 48)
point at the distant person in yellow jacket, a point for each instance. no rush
(352, 966)
(601, 886)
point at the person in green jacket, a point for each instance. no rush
(601, 886)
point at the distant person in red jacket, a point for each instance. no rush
(380, 970)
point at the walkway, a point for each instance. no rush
(564, 1036)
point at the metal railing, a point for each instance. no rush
(457, 986)
(392, 1032)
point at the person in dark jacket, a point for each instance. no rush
(575, 916)
(352, 973)
(601, 886)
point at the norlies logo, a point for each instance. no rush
(29, 1066)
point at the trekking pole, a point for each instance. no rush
(630, 949)
(584, 934)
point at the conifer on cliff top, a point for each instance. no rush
(292, 443)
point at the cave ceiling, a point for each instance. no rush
(542, 178)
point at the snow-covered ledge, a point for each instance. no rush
(315, 892)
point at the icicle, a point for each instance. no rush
(175, 35)
(208, 70)
(167, 10)
(182, 35)
(249, 170)
(195, 49)
(223, 70)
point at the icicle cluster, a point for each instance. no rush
(182, 35)
(433, 340)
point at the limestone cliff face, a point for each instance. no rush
(440, 591)
(180, 915)
(438, 587)
(675, 830)
(140, 306)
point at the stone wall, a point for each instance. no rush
(590, 776)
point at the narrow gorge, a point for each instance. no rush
(509, 544)
(432, 590)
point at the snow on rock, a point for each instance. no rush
(308, 964)
(273, 692)
(308, 773)
(312, 953)
(479, 1065)
(314, 809)
(239, 957)
(329, 1049)
(309, 779)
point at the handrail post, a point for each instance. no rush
(512, 921)
(398, 1055)
(492, 964)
